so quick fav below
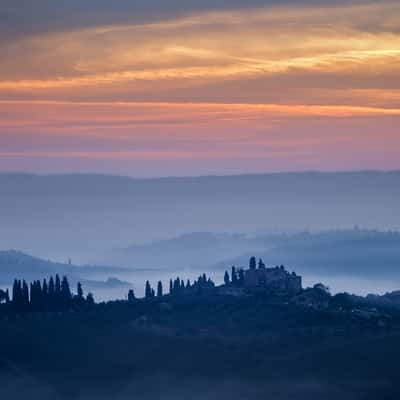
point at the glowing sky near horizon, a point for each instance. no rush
(235, 87)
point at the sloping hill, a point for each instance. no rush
(367, 254)
(194, 250)
(18, 265)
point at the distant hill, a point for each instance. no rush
(355, 252)
(15, 264)
(80, 216)
(194, 250)
(367, 254)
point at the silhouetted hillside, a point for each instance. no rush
(201, 346)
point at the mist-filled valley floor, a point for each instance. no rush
(334, 227)
(357, 261)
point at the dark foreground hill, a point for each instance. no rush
(203, 346)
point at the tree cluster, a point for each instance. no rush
(52, 295)
(236, 278)
(4, 296)
(179, 286)
(149, 291)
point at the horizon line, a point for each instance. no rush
(222, 175)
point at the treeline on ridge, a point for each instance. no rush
(55, 294)
(52, 295)
(176, 287)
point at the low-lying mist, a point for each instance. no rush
(83, 216)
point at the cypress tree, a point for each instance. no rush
(15, 293)
(36, 300)
(57, 292)
(188, 284)
(226, 278)
(65, 292)
(147, 291)
(57, 289)
(40, 295)
(37, 294)
(177, 285)
(171, 287)
(45, 294)
(79, 291)
(159, 289)
(252, 263)
(131, 296)
(32, 289)
(52, 289)
(20, 296)
(25, 296)
(45, 289)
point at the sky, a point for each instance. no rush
(161, 88)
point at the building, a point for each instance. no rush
(277, 279)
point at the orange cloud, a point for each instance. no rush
(208, 48)
(292, 87)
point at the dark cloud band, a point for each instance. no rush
(25, 17)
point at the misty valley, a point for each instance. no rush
(354, 260)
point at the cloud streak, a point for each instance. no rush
(181, 136)
(294, 85)
(62, 116)
(206, 48)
